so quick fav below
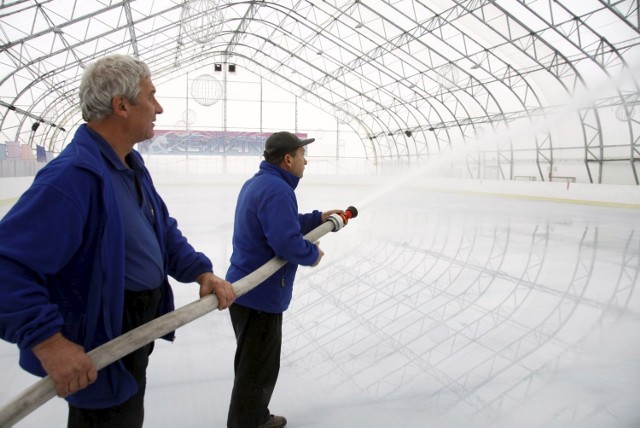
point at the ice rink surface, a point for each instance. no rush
(431, 309)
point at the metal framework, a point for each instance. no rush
(412, 78)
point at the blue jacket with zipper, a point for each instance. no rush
(62, 263)
(267, 224)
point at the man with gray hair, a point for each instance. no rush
(86, 252)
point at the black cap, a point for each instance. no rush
(283, 142)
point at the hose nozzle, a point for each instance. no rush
(339, 220)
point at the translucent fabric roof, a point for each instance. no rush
(412, 78)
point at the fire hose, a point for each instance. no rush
(43, 390)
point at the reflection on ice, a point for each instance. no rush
(475, 305)
(432, 308)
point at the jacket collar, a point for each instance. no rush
(269, 168)
(107, 151)
(83, 150)
(109, 154)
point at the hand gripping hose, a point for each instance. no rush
(43, 390)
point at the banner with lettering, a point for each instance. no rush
(216, 143)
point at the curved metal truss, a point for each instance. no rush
(412, 78)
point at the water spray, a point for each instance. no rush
(43, 390)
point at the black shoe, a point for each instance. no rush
(274, 422)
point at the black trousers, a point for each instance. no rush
(139, 307)
(256, 365)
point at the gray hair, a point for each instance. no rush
(109, 77)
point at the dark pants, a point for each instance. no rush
(139, 308)
(257, 364)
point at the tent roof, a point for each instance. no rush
(440, 70)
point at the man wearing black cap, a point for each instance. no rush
(267, 224)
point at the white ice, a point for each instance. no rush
(435, 308)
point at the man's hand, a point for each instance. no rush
(320, 254)
(326, 215)
(210, 283)
(66, 363)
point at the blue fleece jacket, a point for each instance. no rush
(267, 224)
(62, 263)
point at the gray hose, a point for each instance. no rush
(43, 390)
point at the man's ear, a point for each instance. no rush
(119, 106)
